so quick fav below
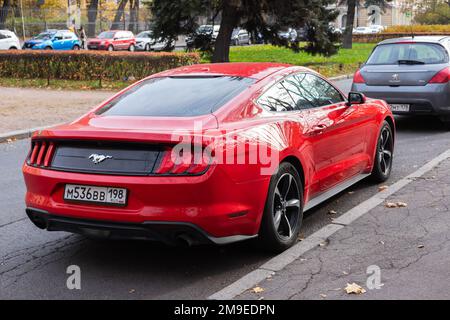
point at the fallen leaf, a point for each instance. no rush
(257, 290)
(401, 204)
(261, 298)
(132, 291)
(354, 289)
(420, 246)
(351, 192)
(382, 242)
(345, 272)
(391, 205)
(382, 188)
(332, 212)
(323, 295)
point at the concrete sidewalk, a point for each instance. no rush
(410, 245)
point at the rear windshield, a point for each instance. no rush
(176, 96)
(424, 53)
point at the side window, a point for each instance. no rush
(67, 36)
(277, 98)
(309, 91)
(2, 36)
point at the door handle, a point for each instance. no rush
(318, 129)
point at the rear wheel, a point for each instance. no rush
(48, 48)
(147, 47)
(384, 155)
(283, 213)
(76, 47)
(13, 48)
(110, 48)
(131, 48)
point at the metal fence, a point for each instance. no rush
(29, 22)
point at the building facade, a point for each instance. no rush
(395, 13)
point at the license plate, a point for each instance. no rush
(400, 107)
(102, 195)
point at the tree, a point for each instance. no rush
(4, 10)
(433, 12)
(347, 42)
(266, 17)
(92, 17)
(118, 17)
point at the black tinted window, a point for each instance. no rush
(177, 96)
(427, 53)
(300, 91)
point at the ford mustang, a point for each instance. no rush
(213, 153)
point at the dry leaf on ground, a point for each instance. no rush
(257, 290)
(354, 288)
(332, 212)
(382, 188)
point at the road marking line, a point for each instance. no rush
(280, 261)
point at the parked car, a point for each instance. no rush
(145, 42)
(376, 28)
(203, 30)
(120, 171)
(54, 40)
(362, 30)
(289, 34)
(9, 40)
(411, 74)
(113, 40)
(240, 37)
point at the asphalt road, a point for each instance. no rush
(33, 263)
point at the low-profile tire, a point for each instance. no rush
(110, 48)
(76, 47)
(283, 212)
(131, 48)
(384, 154)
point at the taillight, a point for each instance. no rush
(442, 76)
(190, 163)
(41, 153)
(358, 78)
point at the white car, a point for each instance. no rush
(376, 28)
(362, 30)
(8, 40)
(145, 42)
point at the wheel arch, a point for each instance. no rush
(391, 123)
(298, 166)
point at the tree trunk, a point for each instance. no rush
(118, 17)
(4, 10)
(348, 33)
(92, 17)
(230, 18)
(134, 7)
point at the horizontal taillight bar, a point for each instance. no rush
(41, 154)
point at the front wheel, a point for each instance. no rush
(283, 212)
(76, 47)
(48, 48)
(131, 48)
(384, 154)
(110, 48)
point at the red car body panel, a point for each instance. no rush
(329, 145)
(117, 44)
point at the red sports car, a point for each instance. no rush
(208, 154)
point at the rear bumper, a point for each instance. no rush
(429, 99)
(220, 202)
(171, 233)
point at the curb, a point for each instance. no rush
(282, 260)
(22, 134)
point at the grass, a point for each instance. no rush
(345, 62)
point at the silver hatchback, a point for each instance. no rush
(412, 74)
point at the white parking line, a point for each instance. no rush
(280, 261)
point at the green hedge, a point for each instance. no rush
(89, 65)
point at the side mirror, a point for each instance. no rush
(356, 98)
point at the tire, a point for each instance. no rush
(76, 47)
(384, 155)
(283, 212)
(13, 48)
(147, 47)
(110, 48)
(131, 48)
(48, 48)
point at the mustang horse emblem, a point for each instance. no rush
(97, 158)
